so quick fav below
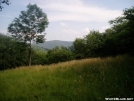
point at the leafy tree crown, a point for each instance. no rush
(30, 25)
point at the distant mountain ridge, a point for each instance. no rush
(54, 43)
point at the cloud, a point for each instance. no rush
(72, 33)
(63, 24)
(86, 30)
(76, 10)
(102, 29)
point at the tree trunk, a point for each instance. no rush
(30, 54)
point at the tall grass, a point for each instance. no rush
(79, 80)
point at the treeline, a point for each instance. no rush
(55, 55)
(119, 39)
(14, 54)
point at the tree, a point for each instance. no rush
(12, 53)
(129, 15)
(89, 46)
(29, 27)
(94, 41)
(39, 57)
(59, 54)
(79, 47)
(123, 32)
(3, 1)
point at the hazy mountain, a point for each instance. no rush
(54, 43)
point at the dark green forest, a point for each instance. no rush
(117, 40)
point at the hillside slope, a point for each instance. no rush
(82, 80)
(54, 43)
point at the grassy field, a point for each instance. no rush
(79, 80)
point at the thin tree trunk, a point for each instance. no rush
(30, 54)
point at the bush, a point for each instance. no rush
(59, 54)
(39, 58)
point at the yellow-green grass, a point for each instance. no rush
(79, 80)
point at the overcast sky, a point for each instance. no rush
(68, 19)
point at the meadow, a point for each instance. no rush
(92, 79)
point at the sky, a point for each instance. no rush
(68, 19)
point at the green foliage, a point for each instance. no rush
(122, 33)
(114, 41)
(12, 53)
(94, 41)
(29, 26)
(129, 14)
(59, 54)
(39, 58)
(89, 46)
(79, 48)
(82, 80)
